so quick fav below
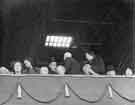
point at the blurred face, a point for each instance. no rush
(44, 70)
(129, 72)
(27, 63)
(89, 56)
(112, 73)
(61, 70)
(17, 67)
(53, 66)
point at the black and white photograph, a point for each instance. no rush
(67, 52)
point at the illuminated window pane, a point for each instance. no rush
(50, 44)
(67, 45)
(46, 43)
(64, 39)
(59, 45)
(58, 41)
(69, 39)
(47, 38)
(54, 44)
(52, 39)
(63, 45)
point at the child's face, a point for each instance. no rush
(61, 70)
(44, 70)
(17, 67)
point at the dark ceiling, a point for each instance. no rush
(91, 21)
(67, 15)
(89, 10)
(92, 10)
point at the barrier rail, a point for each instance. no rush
(66, 90)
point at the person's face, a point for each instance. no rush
(129, 72)
(53, 66)
(89, 56)
(27, 63)
(44, 70)
(60, 70)
(17, 67)
(112, 73)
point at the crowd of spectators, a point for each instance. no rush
(92, 65)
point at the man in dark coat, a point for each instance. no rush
(96, 62)
(72, 65)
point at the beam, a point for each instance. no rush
(79, 21)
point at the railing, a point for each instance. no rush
(66, 90)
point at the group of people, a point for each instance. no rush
(92, 65)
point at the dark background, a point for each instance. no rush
(104, 26)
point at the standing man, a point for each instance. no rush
(72, 66)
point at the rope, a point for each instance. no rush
(120, 95)
(47, 101)
(88, 101)
(9, 97)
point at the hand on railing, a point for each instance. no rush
(87, 69)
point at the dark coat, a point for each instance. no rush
(72, 66)
(97, 65)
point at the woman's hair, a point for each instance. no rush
(13, 63)
(29, 59)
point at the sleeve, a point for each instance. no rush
(68, 66)
(101, 65)
(98, 65)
